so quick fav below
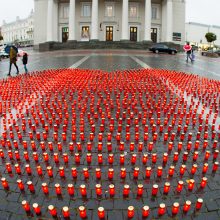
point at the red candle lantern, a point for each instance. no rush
(195, 155)
(46, 156)
(31, 186)
(26, 156)
(191, 183)
(132, 146)
(65, 158)
(8, 167)
(50, 171)
(20, 184)
(83, 190)
(159, 171)
(182, 169)
(65, 211)
(136, 172)
(56, 157)
(130, 211)
(98, 190)
(154, 158)
(165, 158)
(150, 146)
(111, 190)
(161, 209)
(165, 138)
(26, 206)
(215, 155)
(140, 190)
(52, 210)
(166, 188)
(99, 146)
(154, 190)
(179, 186)
(203, 182)
(109, 147)
(100, 159)
(207, 155)
(101, 212)
(86, 173)
(89, 158)
(199, 204)
(82, 212)
(77, 158)
(58, 189)
(28, 169)
(133, 158)
(145, 211)
(123, 173)
(126, 190)
(110, 173)
(194, 169)
(175, 157)
(187, 206)
(4, 183)
(215, 166)
(36, 208)
(175, 208)
(74, 172)
(70, 189)
(170, 146)
(18, 169)
(45, 188)
(148, 172)
(62, 172)
(171, 170)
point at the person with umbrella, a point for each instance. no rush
(13, 58)
(188, 50)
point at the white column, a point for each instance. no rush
(169, 16)
(50, 20)
(147, 25)
(94, 29)
(72, 20)
(124, 30)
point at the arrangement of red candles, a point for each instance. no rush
(88, 135)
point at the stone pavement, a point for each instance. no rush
(63, 115)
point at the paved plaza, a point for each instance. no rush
(114, 133)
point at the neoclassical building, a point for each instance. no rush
(20, 31)
(109, 20)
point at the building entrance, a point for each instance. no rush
(133, 33)
(154, 34)
(65, 34)
(109, 33)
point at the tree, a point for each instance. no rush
(210, 37)
(1, 37)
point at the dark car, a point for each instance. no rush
(162, 48)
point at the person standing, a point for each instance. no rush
(13, 60)
(188, 50)
(25, 61)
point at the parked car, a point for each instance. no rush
(156, 48)
(3, 54)
(208, 52)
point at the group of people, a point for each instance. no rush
(13, 60)
(189, 52)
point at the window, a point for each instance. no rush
(109, 11)
(65, 11)
(86, 10)
(154, 13)
(133, 11)
(176, 36)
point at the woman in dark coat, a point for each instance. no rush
(25, 60)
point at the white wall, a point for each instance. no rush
(196, 33)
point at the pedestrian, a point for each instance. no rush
(188, 50)
(13, 60)
(25, 61)
(192, 54)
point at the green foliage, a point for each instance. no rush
(210, 37)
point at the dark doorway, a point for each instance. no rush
(154, 34)
(109, 33)
(65, 34)
(133, 33)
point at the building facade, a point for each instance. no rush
(20, 31)
(112, 20)
(195, 34)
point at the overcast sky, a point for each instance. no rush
(202, 11)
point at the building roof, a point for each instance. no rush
(202, 25)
